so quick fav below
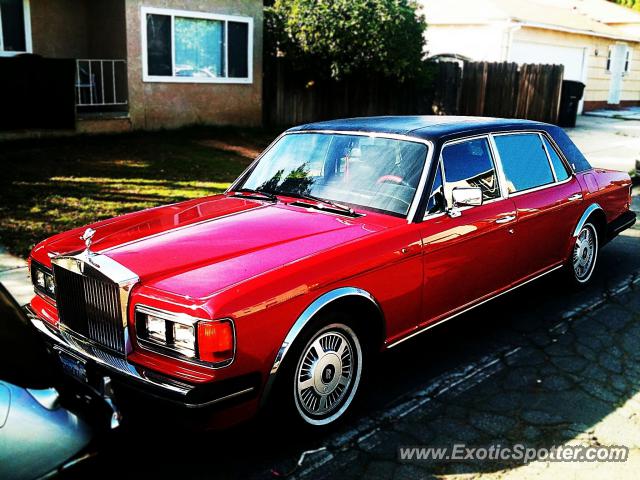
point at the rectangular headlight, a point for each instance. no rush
(42, 279)
(156, 329)
(40, 282)
(182, 335)
(50, 285)
(169, 331)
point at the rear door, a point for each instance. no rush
(470, 256)
(546, 196)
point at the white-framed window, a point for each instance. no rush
(15, 28)
(626, 58)
(627, 61)
(196, 47)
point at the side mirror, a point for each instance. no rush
(467, 197)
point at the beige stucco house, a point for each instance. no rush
(148, 64)
(597, 41)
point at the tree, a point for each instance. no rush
(635, 4)
(339, 38)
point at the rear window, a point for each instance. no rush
(524, 161)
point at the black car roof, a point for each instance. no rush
(427, 127)
(442, 127)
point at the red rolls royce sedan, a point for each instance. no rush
(342, 239)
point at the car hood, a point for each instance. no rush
(196, 248)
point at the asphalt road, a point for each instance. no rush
(259, 450)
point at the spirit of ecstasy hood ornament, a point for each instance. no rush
(87, 236)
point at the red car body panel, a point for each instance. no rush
(262, 264)
(547, 214)
(218, 268)
(460, 251)
(609, 188)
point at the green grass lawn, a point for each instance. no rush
(48, 186)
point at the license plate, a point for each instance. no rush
(73, 366)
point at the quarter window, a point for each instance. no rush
(469, 164)
(524, 161)
(436, 198)
(558, 164)
(196, 47)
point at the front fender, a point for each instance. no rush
(307, 315)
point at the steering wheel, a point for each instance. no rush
(391, 179)
(396, 199)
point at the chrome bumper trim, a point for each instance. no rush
(625, 226)
(221, 399)
(121, 366)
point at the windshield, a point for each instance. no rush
(371, 172)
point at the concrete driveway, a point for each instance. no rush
(608, 142)
(14, 275)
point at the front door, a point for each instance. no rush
(617, 59)
(470, 256)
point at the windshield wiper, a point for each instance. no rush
(321, 201)
(257, 193)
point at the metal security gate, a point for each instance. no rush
(101, 83)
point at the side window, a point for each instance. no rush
(436, 198)
(558, 165)
(469, 164)
(524, 161)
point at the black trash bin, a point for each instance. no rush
(570, 97)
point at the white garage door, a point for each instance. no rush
(573, 58)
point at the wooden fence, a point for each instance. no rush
(477, 88)
(510, 91)
(291, 99)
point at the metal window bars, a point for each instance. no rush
(101, 83)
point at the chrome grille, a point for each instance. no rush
(90, 307)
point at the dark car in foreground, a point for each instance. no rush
(342, 239)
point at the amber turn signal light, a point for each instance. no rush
(216, 341)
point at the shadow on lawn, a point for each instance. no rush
(52, 185)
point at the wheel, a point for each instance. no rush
(584, 254)
(327, 374)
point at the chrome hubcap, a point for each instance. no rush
(584, 253)
(325, 374)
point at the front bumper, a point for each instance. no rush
(132, 378)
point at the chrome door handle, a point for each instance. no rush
(506, 219)
(574, 197)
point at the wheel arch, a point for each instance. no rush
(597, 215)
(351, 299)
